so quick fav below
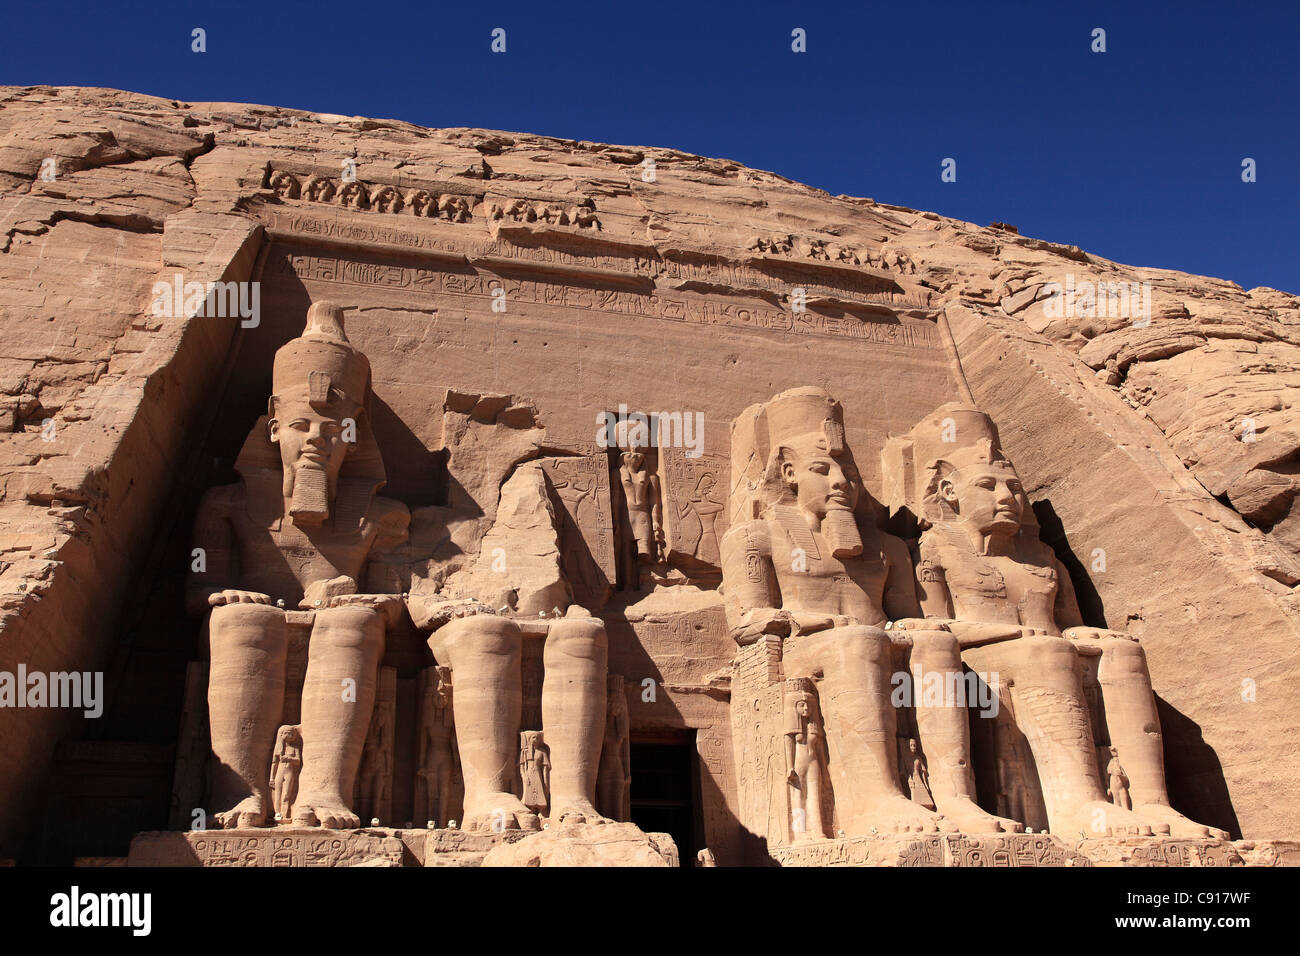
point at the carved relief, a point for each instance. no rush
(614, 782)
(660, 305)
(581, 485)
(579, 216)
(375, 779)
(805, 759)
(373, 197)
(436, 798)
(825, 250)
(534, 770)
(286, 762)
(695, 506)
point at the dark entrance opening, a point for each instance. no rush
(666, 789)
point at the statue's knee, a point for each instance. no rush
(1119, 655)
(476, 634)
(257, 626)
(351, 627)
(582, 637)
(935, 647)
(1045, 652)
(861, 643)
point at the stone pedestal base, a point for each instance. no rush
(588, 844)
(613, 844)
(276, 846)
(1035, 849)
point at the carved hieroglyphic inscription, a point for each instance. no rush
(683, 308)
(864, 851)
(1019, 849)
(271, 847)
(586, 525)
(673, 269)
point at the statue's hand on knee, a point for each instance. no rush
(759, 621)
(1085, 633)
(430, 612)
(389, 605)
(235, 596)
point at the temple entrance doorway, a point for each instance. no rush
(665, 794)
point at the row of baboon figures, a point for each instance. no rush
(806, 570)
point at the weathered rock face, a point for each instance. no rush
(507, 290)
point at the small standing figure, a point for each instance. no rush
(535, 770)
(644, 509)
(286, 761)
(614, 778)
(437, 746)
(1117, 782)
(376, 777)
(918, 778)
(805, 758)
(705, 858)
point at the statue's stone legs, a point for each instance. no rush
(1130, 707)
(1051, 712)
(245, 699)
(944, 729)
(484, 654)
(573, 713)
(852, 667)
(338, 696)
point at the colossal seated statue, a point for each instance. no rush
(482, 644)
(299, 529)
(805, 564)
(984, 574)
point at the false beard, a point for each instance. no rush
(841, 532)
(310, 504)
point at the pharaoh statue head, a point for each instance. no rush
(950, 468)
(810, 466)
(321, 387)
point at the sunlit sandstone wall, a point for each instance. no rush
(667, 292)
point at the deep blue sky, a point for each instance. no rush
(1134, 154)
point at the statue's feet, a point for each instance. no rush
(897, 814)
(1100, 818)
(578, 811)
(324, 810)
(1179, 825)
(495, 812)
(968, 817)
(249, 812)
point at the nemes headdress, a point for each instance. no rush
(950, 438)
(758, 433)
(321, 363)
(324, 368)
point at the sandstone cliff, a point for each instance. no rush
(1164, 456)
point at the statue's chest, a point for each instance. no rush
(1003, 582)
(816, 580)
(310, 556)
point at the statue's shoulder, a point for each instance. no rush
(390, 520)
(750, 536)
(933, 550)
(894, 549)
